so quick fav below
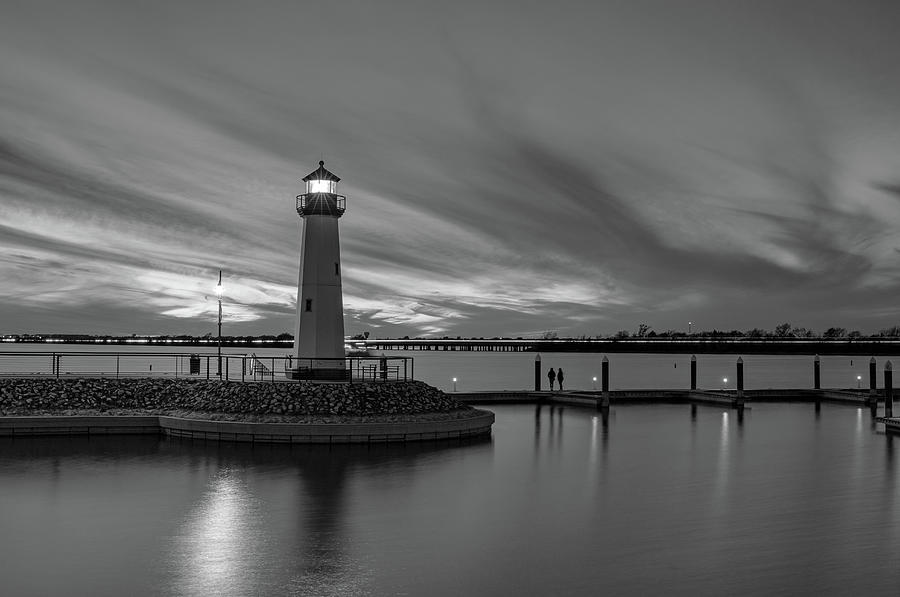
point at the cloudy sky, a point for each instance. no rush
(511, 168)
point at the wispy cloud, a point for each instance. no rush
(640, 164)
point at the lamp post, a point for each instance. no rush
(219, 354)
(690, 328)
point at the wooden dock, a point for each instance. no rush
(891, 424)
(727, 398)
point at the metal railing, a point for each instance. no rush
(328, 204)
(234, 367)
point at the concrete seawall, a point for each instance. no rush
(478, 423)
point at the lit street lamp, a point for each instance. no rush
(690, 328)
(454, 384)
(219, 291)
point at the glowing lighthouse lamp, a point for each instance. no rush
(319, 327)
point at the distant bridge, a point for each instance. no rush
(692, 345)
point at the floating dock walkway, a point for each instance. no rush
(727, 398)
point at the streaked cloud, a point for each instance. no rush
(507, 168)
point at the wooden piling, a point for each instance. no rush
(740, 381)
(537, 372)
(693, 372)
(604, 372)
(872, 392)
(888, 390)
(817, 378)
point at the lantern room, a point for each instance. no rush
(321, 180)
(321, 196)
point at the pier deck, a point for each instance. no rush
(729, 398)
(891, 424)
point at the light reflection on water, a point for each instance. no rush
(226, 523)
(235, 543)
(643, 499)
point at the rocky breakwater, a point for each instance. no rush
(217, 399)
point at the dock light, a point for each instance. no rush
(858, 379)
(724, 380)
(595, 382)
(454, 384)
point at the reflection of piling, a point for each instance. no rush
(693, 372)
(740, 382)
(872, 392)
(817, 373)
(888, 390)
(604, 418)
(537, 373)
(559, 418)
(604, 371)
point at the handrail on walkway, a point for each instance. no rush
(231, 367)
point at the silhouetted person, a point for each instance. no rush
(559, 378)
(551, 375)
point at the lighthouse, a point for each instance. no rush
(319, 329)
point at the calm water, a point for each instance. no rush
(653, 501)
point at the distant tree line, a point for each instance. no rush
(782, 331)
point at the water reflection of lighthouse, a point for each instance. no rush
(319, 329)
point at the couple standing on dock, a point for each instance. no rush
(558, 376)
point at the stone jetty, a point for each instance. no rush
(244, 401)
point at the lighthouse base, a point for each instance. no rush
(318, 374)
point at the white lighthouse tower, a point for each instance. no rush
(319, 329)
